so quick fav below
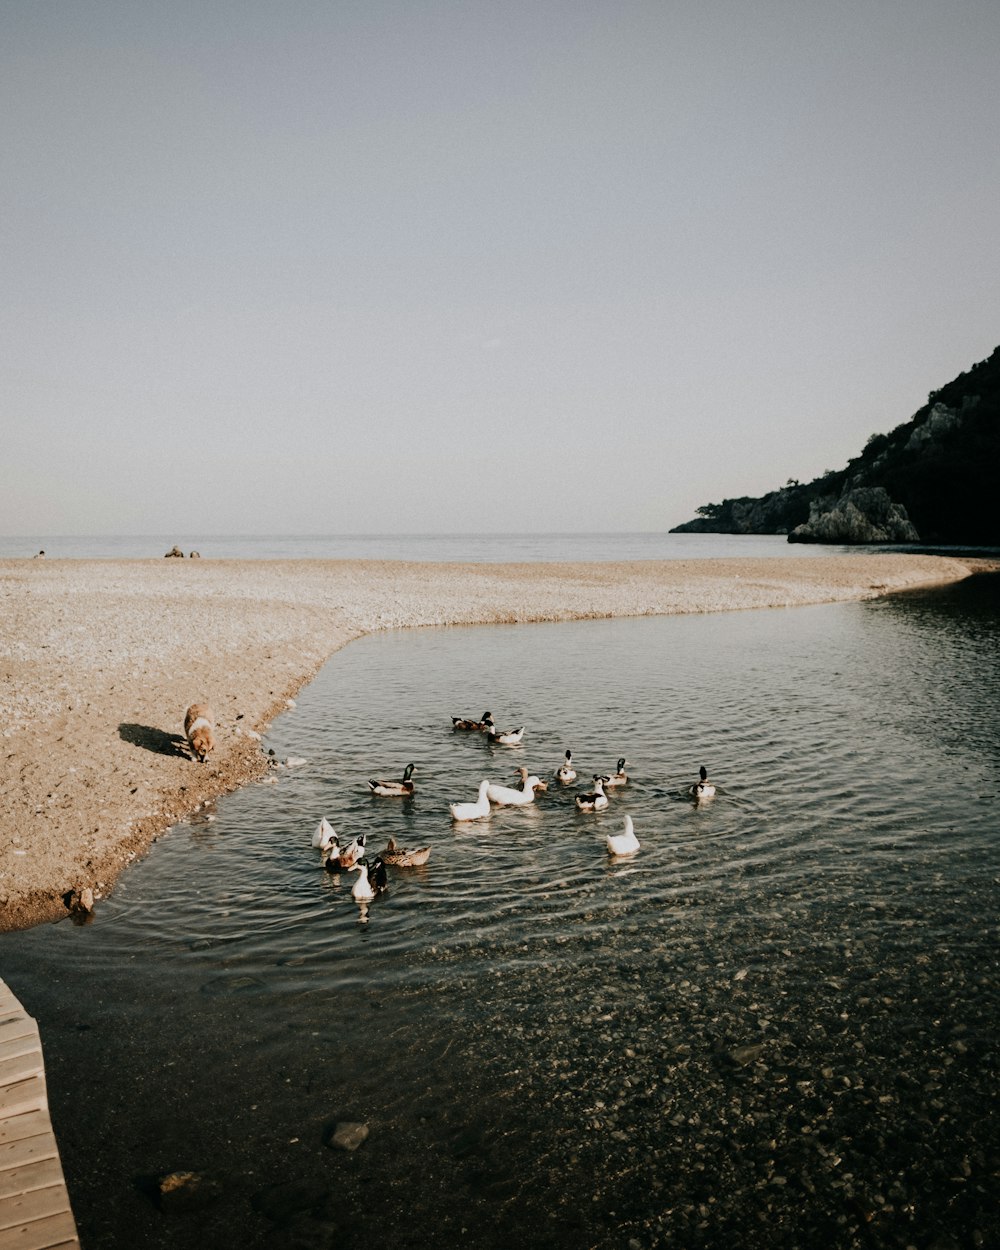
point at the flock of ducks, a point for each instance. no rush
(372, 876)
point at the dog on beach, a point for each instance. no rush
(199, 728)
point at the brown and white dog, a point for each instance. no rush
(199, 728)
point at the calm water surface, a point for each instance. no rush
(479, 548)
(774, 1026)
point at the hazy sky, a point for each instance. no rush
(317, 266)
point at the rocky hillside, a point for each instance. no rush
(934, 479)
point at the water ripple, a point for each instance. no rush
(827, 910)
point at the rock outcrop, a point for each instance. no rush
(933, 479)
(863, 515)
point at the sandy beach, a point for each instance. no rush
(100, 659)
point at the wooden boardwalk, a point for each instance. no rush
(34, 1206)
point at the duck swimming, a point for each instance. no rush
(460, 722)
(619, 778)
(324, 836)
(624, 843)
(398, 789)
(566, 772)
(400, 858)
(472, 811)
(342, 858)
(597, 799)
(703, 789)
(372, 879)
(506, 737)
(506, 796)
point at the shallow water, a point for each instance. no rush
(774, 1026)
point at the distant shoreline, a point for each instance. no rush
(101, 657)
(462, 547)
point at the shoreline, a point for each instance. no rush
(101, 658)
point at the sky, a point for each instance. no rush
(359, 266)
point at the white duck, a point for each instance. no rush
(324, 836)
(371, 880)
(703, 788)
(566, 772)
(506, 737)
(472, 811)
(506, 796)
(596, 800)
(625, 843)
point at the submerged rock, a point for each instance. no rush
(186, 1191)
(744, 1055)
(347, 1135)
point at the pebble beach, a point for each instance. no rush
(100, 659)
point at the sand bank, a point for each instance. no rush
(99, 660)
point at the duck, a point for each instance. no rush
(461, 722)
(472, 811)
(566, 772)
(594, 801)
(342, 858)
(624, 843)
(400, 858)
(506, 737)
(402, 788)
(703, 788)
(619, 778)
(372, 879)
(324, 836)
(506, 796)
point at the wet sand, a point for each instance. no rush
(101, 658)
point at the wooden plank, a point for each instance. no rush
(18, 1031)
(16, 1154)
(8, 1000)
(14, 1128)
(27, 1095)
(21, 1067)
(35, 1211)
(55, 1232)
(38, 1174)
(12, 1047)
(37, 1204)
(10, 1004)
(17, 1026)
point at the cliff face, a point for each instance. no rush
(865, 514)
(933, 479)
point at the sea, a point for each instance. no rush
(774, 1025)
(484, 548)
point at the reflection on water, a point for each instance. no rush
(774, 1026)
